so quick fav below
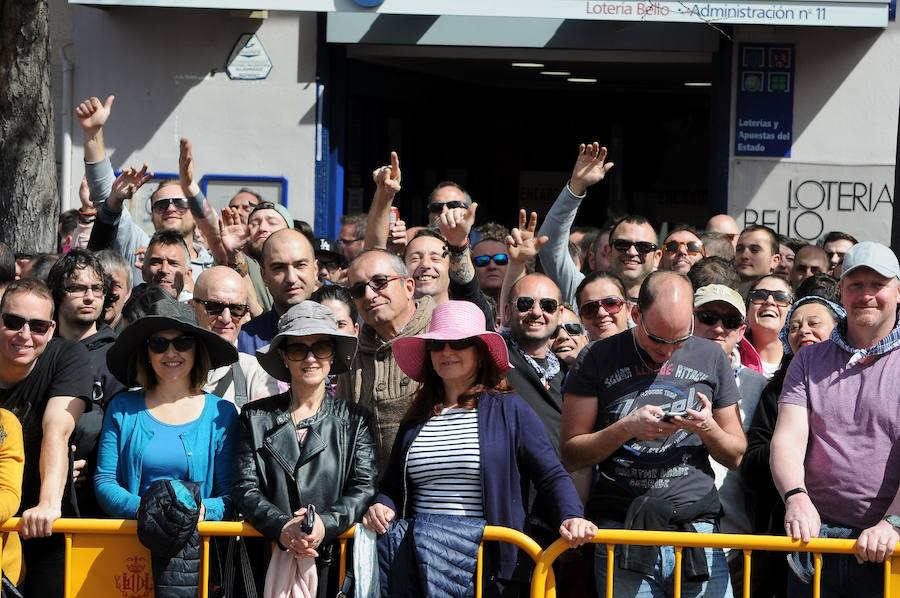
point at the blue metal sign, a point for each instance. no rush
(765, 100)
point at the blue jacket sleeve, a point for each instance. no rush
(555, 258)
(540, 463)
(112, 497)
(391, 485)
(219, 505)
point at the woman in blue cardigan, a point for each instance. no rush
(467, 445)
(169, 429)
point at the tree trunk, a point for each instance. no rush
(29, 204)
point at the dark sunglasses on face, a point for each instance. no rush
(611, 305)
(759, 296)
(548, 305)
(481, 261)
(376, 283)
(299, 351)
(642, 247)
(437, 207)
(709, 318)
(345, 242)
(434, 345)
(571, 328)
(692, 247)
(214, 308)
(14, 322)
(664, 341)
(161, 206)
(330, 266)
(160, 344)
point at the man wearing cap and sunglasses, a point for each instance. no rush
(834, 452)
(650, 406)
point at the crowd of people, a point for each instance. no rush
(426, 381)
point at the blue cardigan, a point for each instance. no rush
(209, 447)
(515, 449)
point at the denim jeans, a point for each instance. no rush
(842, 576)
(629, 584)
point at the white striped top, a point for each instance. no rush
(444, 465)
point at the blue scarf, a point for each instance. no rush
(840, 314)
(885, 345)
(545, 374)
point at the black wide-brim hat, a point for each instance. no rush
(165, 314)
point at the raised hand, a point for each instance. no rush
(84, 195)
(186, 168)
(521, 242)
(126, 185)
(456, 224)
(590, 167)
(387, 178)
(92, 114)
(397, 240)
(233, 233)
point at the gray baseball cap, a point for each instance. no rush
(870, 254)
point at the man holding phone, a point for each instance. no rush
(621, 412)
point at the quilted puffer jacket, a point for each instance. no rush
(431, 555)
(167, 526)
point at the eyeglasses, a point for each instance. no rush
(160, 344)
(709, 318)
(330, 266)
(437, 207)
(299, 351)
(482, 261)
(161, 206)
(642, 247)
(434, 345)
(612, 305)
(664, 341)
(80, 290)
(548, 305)
(692, 247)
(376, 283)
(14, 322)
(759, 296)
(345, 242)
(571, 328)
(214, 308)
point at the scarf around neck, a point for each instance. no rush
(885, 345)
(546, 374)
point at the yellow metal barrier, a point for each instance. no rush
(104, 555)
(542, 582)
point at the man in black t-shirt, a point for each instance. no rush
(43, 382)
(620, 412)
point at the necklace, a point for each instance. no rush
(641, 357)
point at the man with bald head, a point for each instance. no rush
(381, 286)
(290, 273)
(725, 225)
(808, 261)
(220, 303)
(649, 406)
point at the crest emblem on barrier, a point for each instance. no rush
(136, 581)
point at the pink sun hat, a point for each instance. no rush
(453, 320)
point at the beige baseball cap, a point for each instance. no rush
(719, 292)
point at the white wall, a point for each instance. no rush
(847, 93)
(166, 68)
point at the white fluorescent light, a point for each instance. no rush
(528, 65)
(556, 73)
(581, 80)
(698, 84)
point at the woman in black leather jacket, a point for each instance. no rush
(304, 447)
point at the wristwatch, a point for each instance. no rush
(894, 520)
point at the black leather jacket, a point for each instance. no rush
(335, 470)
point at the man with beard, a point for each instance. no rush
(119, 271)
(166, 265)
(681, 250)
(265, 219)
(290, 273)
(79, 292)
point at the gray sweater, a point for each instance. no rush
(555, 258)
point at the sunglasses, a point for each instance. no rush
(160, 344)
(664, 341)
(346, 242)
(759, 296)
(434, 345)
(642, 247)
(214, 308)
(692, 247)
(611, 305)
(161, 206)
(437, 207)
(571, 328)
(299, 351)
(710, 318)
(330, 266)
(14, 322)
(376, 283)
(481, 261)
(548, 305)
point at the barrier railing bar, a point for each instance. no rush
(479, 571)
(342, 563)
(204, 567)
(67, 574)
(817, 575)
(887, 578)
(610, 568)
(678, 558)
(747, 572)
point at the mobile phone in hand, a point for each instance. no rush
(668, 415)
(309, 520)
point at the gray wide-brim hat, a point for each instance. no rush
(306, 319)
(164, 314)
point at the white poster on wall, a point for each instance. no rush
(806, 201)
